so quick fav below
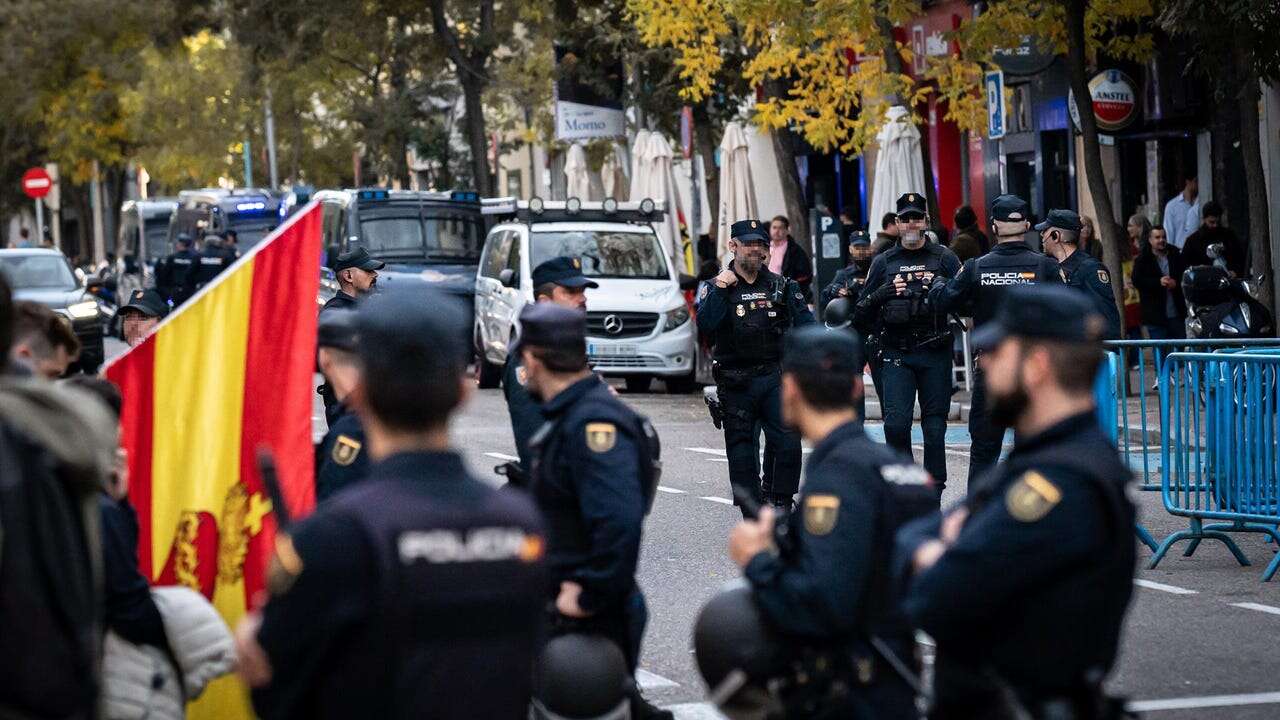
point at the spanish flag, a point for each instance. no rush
(228, 372)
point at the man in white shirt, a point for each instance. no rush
(1182, 213)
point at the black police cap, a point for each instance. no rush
(1041, 312)
(563, 271)
(912, 205)
(748, 231)
(338, 329)
(859, 237)
(1010, 208)
(147, 302)
(1062, 220)
(547, 324)
(359, 259)
(815, 347)
(424, 330)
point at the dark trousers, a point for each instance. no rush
(984, 450)
(747, 402)
(926, 373)
(870, 353)
(1175, 328)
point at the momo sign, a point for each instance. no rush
(1115, 101)
(575, 121)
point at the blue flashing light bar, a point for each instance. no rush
(374, 194)
(465, 196)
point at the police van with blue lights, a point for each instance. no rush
(424, 237)
(252, 213)
(639, 324)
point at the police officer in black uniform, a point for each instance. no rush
(420, 591)
(976, 292)
(594, 479)
(560, 281)
(211, 263)
(357, 275)
(914, 336)
(745, 310)
(1060, 234)
(848, 283)
(341, 459)
(824, 581)
(1024, 585)
(175, 271)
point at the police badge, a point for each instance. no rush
(741, 311)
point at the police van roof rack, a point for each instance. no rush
(575, 210)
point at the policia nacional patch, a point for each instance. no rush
(345, 450)
(1031, 497)
(820, 512)
(601, 436)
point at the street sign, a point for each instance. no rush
(996, 125)
(36, 183)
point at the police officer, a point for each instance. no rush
(211, 263)
(560, 281)
(357, 275)
(421, 589)
(593, 479)
(745, 310)
(914, 337)
(1024, 585)
(848, 283)
(230, 246)
(341, 458)
(1060, 234)
(976, 292)
(175, 271)
(823, 582)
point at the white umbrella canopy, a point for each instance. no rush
(612, 175)
(577, 174)
(655, 180)
(638, 149)
(737, 188)
(898, 169)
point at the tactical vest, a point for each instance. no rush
(1001, 269)
(760, 315)
(208, 267)
(908, 321)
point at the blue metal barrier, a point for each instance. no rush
(1219, 459)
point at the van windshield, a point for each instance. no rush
(444, 238)
(604, 253)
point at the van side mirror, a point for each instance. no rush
(688, 282)
(507, 277)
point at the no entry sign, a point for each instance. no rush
(36, 183)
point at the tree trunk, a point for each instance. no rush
(704, 140)
(1251, 149)
(1107, 227)
(477, 137)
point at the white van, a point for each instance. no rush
(639, 325)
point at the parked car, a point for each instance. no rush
(638, 321)
(44, 276)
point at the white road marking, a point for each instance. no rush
(1205, 702)
(674, 491)
(502, 456)
(712, 498)
(695, 711)
(653, 681)
(1173, 589)
(1257, 606)
(707, 451)
(723, 460)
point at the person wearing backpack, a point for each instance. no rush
(822, 580)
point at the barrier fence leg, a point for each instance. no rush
(1145, 536)
(1197, 532)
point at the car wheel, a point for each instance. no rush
(681, 384)
(639, 383)
(488, 375)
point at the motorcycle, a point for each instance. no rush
(1220, 305)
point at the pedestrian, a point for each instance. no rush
(43, 345)
(1059, 235)
(211, 263)
(419, 591)
(821, 584)
(969, 240)
(341, 458)
(230, 246)
(1182, 212)
(1213, 232)
(175, 272)
(1023, 586)
(887, 236)
(914, 336)
(357, 275)
(976, 291)
(560, 281)
(787, 258)
(593, 478)
(1089, 240)
(1157, 274)
(141, 314)
(746, 310)
(848, 283)
(1139, 229)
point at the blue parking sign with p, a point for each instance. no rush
(994, 82)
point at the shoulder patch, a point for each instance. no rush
(702, 294)
(602, 436)
(1031, 497)
(1104, 277)
(800, 297)
(820, 512)
(345, 450)
(522, 375)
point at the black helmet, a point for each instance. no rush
(1206, 285)
(581, 677)
(838, 313)
(734, 646)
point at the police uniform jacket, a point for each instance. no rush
(870, 314)
(211, 263)
(341, 459)
(1083, 272)
(526, 411)
(1035, 587)
(586, 481)
(852, 277)
(175, 275)
(976, 290)
(746, 321)
(420, 591)
(340, 301)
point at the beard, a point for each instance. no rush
(912, 239)
(749, 262)
(1005, 410)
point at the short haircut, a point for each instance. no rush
(1070, 237)
(103, 389)
(561, 359)
(546, 289)
(412, 401)
(824, 390)
(6, 317)
(888, 221)
(782, 219)
(40, 328)
(1074, 364)
(1212, 209)
(965, 216)
(1161, 229)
